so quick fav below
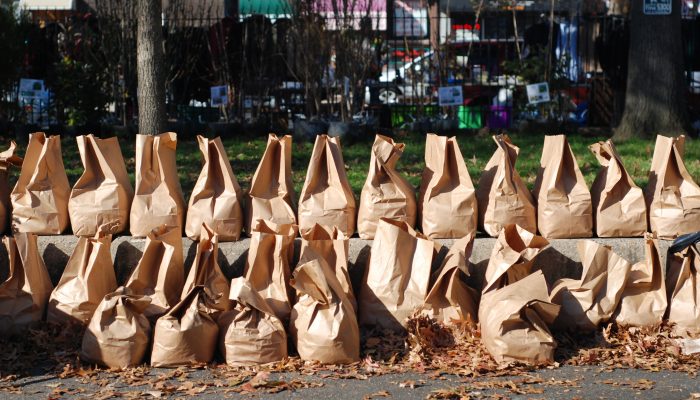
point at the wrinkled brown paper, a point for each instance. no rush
(25, 292)
(397, 275)
(502, 196)
(188, 333)
(333, 247)
(447, 200)
(250, 333)
(216, 197)
(672, 197)
(326, 198)
(618, 204)
(103, 193)
(271, 196)
(588, 302)
(643, 301)
(160, 273)
(323, 323)
(683, 288)
(40, 197)
(564, 207)
(158, 199)
(205, 270)
(118, 333)
(268, 265)
(451, 300)
(7, 159)
(88, 277)
(385, 194)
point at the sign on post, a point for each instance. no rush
(219, 96)
(450, 96)
(538, 93)
(657, 7)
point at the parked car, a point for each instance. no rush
(411, 81)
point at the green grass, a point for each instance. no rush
(245, 152)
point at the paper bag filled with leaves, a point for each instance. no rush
(643, 301)
(88, 278)
(118, 333)
(205, 270)
(216, 197)
(683, 285)
(451, 300)
(103, 193)
(618, 204)
(188, 333)
(268, 265)
(333, 247)
(327, 198)
(564, 207)
(397, 276)
(25, 292)
(515, 313)
(250, 333)
(672, 197)
(447, 200)
(40, 197)
(7, 159)
(385, 194)
(502, 196)
(588, 302)
(158, 199)
(160, 273)
(271, 196)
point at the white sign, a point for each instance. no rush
(32, 89)
(450, 96)
(219, 96)
(657, 7)
(538, 93)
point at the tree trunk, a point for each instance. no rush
(149, 66)
(656, 90)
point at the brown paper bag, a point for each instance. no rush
(250, 333)
(447, 200)
(326, 198)
(564, 207)
(271, 196)
(673, 198)
(397, 275)
(268, 265)
(25, 292)
(386, 194)
(205, 270)
(187, 334)
(103, 193)
(7, 158)
(333, 247)
(512, 257)
(502, 196)
(451, 300)
(588, 302)
(118, 333)
(158, 199)
(323, 323)
(216, 197)
(683, 288)
(643, 301)
(515, 321)
(160, 273)
(40, 197)
(619, 205)
(88, 278)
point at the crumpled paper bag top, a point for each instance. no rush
(250, 333)
(683, 289)
(205, 270)
(119, 333)
(8, 158)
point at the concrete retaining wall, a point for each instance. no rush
(561, 259)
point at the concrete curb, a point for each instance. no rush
(559, 260)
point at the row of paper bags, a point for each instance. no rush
(561, 206)
(183, 321)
